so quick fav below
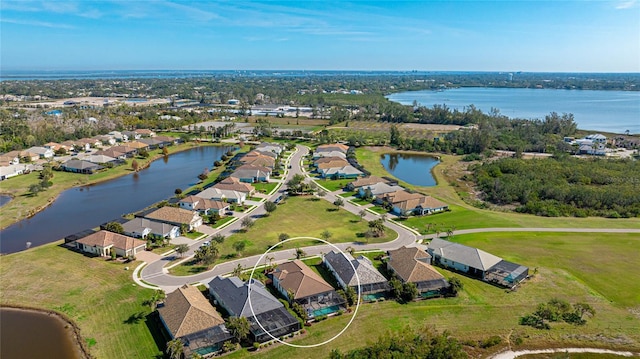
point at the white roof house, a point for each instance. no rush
(223, 195)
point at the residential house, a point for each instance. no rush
(152, 143)
(476, 263)
(341, 265)
(102, 159)
(29, 156)
(176, 216)
(412, 265)
(338, 147)
(234, 184)
(258, 306)
(137, 145)
(102, 242)
(54, 146)
(187, 315)
(72, 146)
(472, 261)
(87, 143)
(270, 147)
(8, 171)
(42, 152)
(341, 172)
(404, 203)
(144, 132)
(127, 150)
(255, 158)
(259, 153)
(597, 138)
(252, 174)
(132, 136)
(378, 189)
(204, 205)
(10, 158)
(336, 163)
(223, 195)
(112, 153)
(322, 160)
(142, 228)
(105, 140)
(167, 141)
(80, 166)
(118, 136)
(338, 154)
(299, 283)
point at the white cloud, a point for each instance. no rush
(626, 4)
(37, 23)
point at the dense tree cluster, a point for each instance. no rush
(564, 186)
(424, 343)
(557, 310)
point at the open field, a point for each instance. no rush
(464, 216)
(98, 295)
(568, 268)
(24, 204)
(298, 217)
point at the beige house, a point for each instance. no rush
(234, 184)
(176, 216)
(101, 242)
(411, 265)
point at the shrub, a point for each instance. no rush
(491, 341)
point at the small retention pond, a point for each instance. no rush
(34, 334)
(4, 199)
(411, 168)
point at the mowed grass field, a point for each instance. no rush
(301, 216)
(99, 296)
(464, 216)
(597, 269)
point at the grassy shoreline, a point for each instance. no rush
(24, 205)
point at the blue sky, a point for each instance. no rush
(572, 36)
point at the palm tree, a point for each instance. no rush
(449, 233)
(239, 327)
(158, 296)
(175, 349)
(300, 253)
(237, 271)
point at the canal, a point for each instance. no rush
(411, 168)
(80, 208)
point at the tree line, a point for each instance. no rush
(562, 186)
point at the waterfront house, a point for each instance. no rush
(137, 145)
(234, 184)
(152, 143)
(223, 195)
(142, 228)
(102, 242)
(335, 163)
(80, 166)
(252, 174)
(204, 205)
(340, 265)
(187, 315)
(476, 262)
(128, 151)
(412, 265)
(322, 160)
(232, 294)
(176, 216)
(102, 159)
(8, 171)
(112, 153)
(299, 283)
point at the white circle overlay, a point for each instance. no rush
(278, 339)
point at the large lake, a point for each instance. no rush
(86, 207)
(607, 111)
(411, 168)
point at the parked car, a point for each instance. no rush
(205, 244)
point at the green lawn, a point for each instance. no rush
(298, 217)
(98, 295)
(378, 209)
(265, 187)
(193, 235)
(566, 269)
(223, 221)
(333, 185)
(348, 194)
(360, 201)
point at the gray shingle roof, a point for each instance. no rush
(232, 294)
(367, 273)
(472, 257)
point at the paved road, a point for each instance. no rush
(156, 274)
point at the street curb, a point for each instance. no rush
(138, 280)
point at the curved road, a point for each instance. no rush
(155, 273)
